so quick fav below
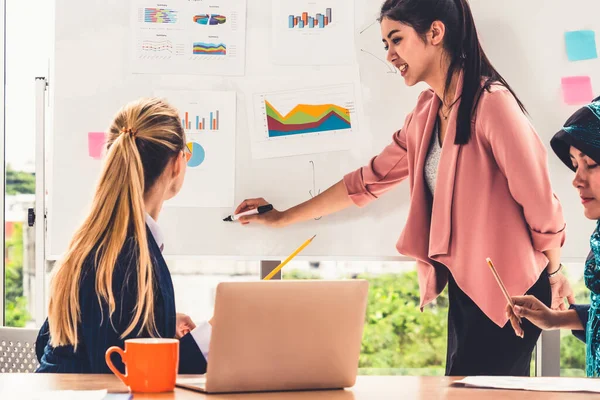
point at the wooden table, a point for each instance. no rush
(366, 388)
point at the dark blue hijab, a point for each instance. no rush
(582, 131)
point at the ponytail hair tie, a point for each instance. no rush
(129, 131)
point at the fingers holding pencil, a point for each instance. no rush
(535, 311)
(515, 320)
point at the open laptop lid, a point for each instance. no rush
(286, 335)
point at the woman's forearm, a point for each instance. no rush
(567, 320)
(330, 201)
(553, 256)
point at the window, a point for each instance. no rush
(572, 350)
(398, 339)
(28, 54)
(195, 283)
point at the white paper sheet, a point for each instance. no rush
(56, 395)
(188, 37)
(534, 384)
(315, 32)
(210, 132)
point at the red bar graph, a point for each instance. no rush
(320, 20)
(208, 123)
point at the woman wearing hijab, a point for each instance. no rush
(577, 144)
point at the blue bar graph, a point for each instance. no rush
(200, 123)
(319, 20)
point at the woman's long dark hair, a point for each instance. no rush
(462, 45)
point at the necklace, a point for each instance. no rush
(445, 115)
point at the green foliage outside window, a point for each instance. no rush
(17, 182)
(399, 339)
(16, 304)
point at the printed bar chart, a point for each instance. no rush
(200, 122)
(160, 16)
(306, 21)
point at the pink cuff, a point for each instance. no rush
(356, 189)
(547, 241)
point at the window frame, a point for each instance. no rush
(2, 162)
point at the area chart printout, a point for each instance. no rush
(208, 119)
(188, 37)
(319, 32)
(304, 121)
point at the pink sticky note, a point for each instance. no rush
(96, 142)
(577, 90)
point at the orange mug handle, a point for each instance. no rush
(111, 365)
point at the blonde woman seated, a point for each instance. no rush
(113, 283)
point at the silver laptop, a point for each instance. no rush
(284, 335)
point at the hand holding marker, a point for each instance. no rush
(258, 210)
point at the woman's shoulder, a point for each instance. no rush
(499, 112)
(490, 90)
(425, 99)
(494, 93)
(422, 107)
(498, 101)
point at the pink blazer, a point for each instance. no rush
(493, 198)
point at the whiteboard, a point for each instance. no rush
(91, 80)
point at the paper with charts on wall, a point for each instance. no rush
(188, 37)
(304, 121)
(317, 32)
(208, 118)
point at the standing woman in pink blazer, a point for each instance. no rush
(479, 188)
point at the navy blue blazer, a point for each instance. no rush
(582, 310)
(97, 332)
(583, 314)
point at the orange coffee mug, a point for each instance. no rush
(150, 364)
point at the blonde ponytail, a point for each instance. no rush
(143, 137)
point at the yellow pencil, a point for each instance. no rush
(500, 283)
(287, 260)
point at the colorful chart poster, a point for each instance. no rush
(304, 121)
(317, 32)
(188, 37)
(208, 118)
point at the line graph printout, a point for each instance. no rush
(188, 37)
(313, 32)
(304, 121)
